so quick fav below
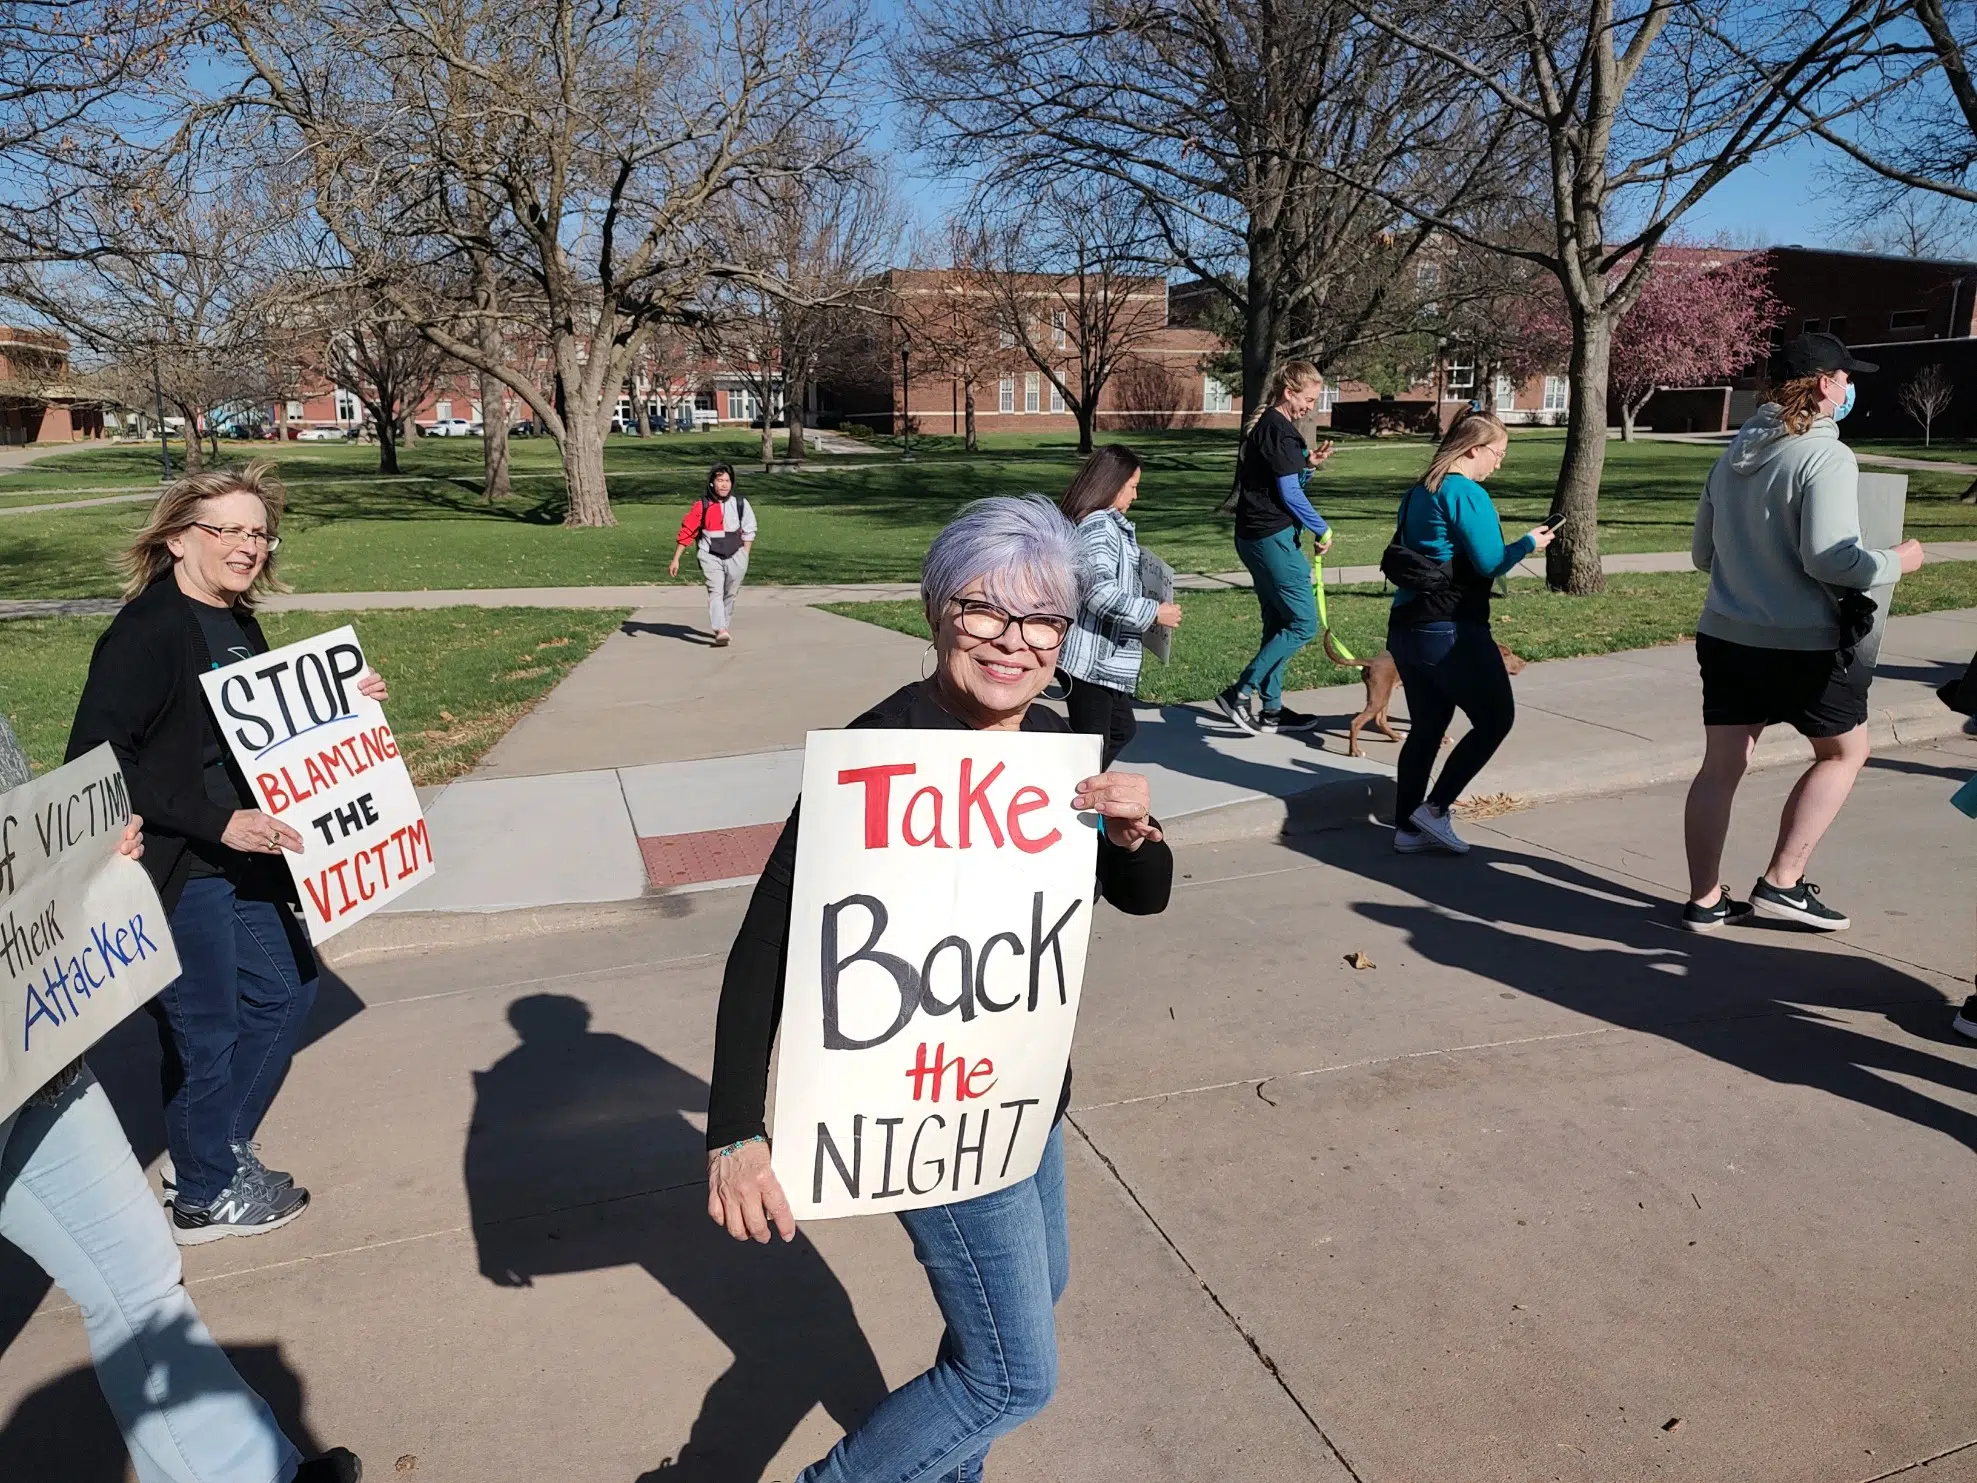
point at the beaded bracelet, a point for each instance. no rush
(738, 1145)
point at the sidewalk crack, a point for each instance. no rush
(1262, 1356)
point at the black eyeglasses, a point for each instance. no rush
(985, 621)
(240, 535)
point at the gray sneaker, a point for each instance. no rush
(1439, 827)
(248, 1169)
(241, 1210)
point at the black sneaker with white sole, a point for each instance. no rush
(1965, 1022)
(241, 1210)
(1799, 904)
(248, 1169)
(1728, 911)
(1235, 705)
(338, 1465)
(1286, 719)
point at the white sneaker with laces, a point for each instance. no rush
(1439, 827)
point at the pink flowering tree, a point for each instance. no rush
(1700, 320)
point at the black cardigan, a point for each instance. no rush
(1135, 881)
(143, 697)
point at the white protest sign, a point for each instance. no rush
(83, 938)
(321, 758)
(940, 914)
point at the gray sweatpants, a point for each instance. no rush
(723, 574)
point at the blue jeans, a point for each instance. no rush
(1445, 667)
(228, 1026)
(74, 1199)
(1290, 611)
(997, 1264)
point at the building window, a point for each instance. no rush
(1462, 372)
(443, 411)
(1005, 338)
(1557, 394)
(1505, 395)
(1008, 394)
(744, 405)
(1216, 396)
(1908, 319)
(1327, 399)
(1032, 391)
(1837, 325)
(296, 412)
(1428, 277)
(1057, 329)
(1811, 327)
(1056, 398)
(346, 406)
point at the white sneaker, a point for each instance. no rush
(1439, 827)
(1413, 842)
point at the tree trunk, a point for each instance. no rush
(1087, 415)
(1626, 421)
(968, 413)
(387, 444)
(213, 437)
(1259, 326)
(582, 447)
(768, 439)
(195, 456)
(641, 424)
(494, 437)
(793, 408)
(1572, 561)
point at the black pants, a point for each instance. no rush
(1099, 711)
(1445, 667)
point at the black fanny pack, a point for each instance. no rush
(727, 542)
(1442, 589)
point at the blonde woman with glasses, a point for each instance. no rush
(228, 1025)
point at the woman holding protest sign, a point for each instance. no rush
(1000, 587)
(229, 1025)
(1102, 652)
(721, 527)
(74, 1200)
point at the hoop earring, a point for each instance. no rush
(925, 672)
(1053, 692)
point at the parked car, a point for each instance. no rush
(449, 427)
(322, 435)
(526, 428)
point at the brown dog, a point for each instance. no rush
(1381, 675)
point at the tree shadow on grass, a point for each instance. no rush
(1754, 1000)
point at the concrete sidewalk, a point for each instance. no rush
(661, 767)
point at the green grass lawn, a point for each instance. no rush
(460, 677)
(1220, 630)
(867, 518)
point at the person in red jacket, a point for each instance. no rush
(721, 525)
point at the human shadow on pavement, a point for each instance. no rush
(126, 1063)
(580, 1158)
(678, 631)
(63, 1432)
(1749, 999)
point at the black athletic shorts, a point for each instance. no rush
(1802, 688)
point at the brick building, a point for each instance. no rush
(38, 402)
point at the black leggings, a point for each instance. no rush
(1445, 667)
(1097, 710)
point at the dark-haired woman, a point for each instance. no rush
(721, 525)
(1101, 655)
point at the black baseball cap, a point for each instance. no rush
(1820, 355)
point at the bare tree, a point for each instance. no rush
(605, 137)
(1063, 274)
(950, 319)
(1926, 396)
(1220, 115)
(389, 367)
(1637, 113)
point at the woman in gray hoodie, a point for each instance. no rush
(1778, 531)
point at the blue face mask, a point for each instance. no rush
(1846, 404)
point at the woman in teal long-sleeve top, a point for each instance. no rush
(1439, 634)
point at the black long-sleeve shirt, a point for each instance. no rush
(1135, 881)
